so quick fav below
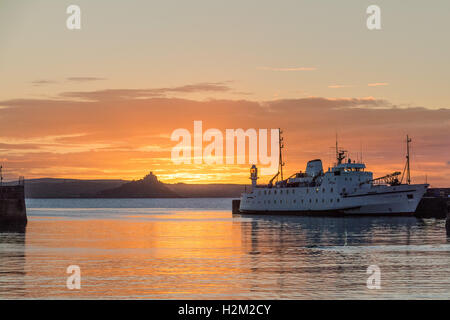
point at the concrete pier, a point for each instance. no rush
(432, 207)
(236, 203)
(12, 205)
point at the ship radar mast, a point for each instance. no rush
(340, 153)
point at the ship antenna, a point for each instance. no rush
(361, 152)
(337, 152)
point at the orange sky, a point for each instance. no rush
(126, 133)
(102, 101)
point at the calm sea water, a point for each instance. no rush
(196, 249)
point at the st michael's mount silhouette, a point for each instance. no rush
(148, 187)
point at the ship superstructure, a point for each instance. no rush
(345, 188)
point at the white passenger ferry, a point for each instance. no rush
(345, 189)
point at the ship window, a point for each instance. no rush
(410, 196)
(295, 201)
(281, 201)
(331, 200)
(293, 191)
(274, 201)
(309, 200)
(323, 190)
(287, 191)
(331, 190)
(343, 189)
(350, 179)
(317, 200)
(269, 191)
(337, 199)
(302, 200)
(323, 200)
(345, 179)
(275, 191)
(307, 190)
(281, 191)
(265, 192)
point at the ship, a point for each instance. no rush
(346, 188)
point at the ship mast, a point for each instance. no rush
(407, 167)
(281, 146)
(408, 171)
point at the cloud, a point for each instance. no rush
(42, 82)
(124, 94)
(338, 86)
(84, 79)
(288, 68)
(100, 137)
(377, 84)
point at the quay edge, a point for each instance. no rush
(12, 205)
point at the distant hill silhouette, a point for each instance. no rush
(148, 187)
(67, 188)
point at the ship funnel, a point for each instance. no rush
(314, 168)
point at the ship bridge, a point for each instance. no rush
(349, 166)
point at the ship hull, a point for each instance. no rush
(327, 213)
(400, 200)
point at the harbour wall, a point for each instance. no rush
(12, 205)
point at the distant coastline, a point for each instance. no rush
(148, 187)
